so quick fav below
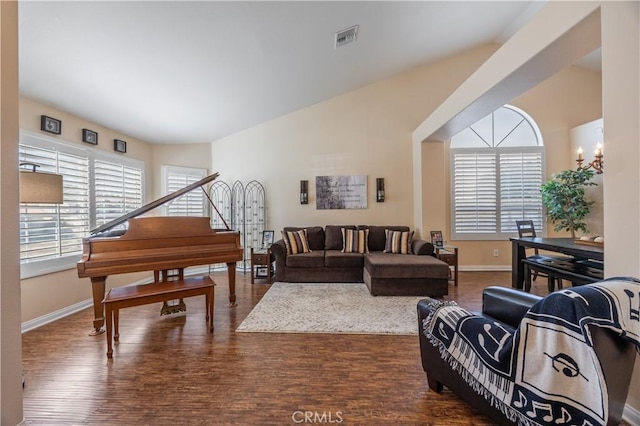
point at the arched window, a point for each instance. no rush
(496, 173)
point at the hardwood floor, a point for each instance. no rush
(170, 370)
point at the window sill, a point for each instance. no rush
(45, 267)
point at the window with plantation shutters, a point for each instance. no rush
(97, 187)
(496, 174)
(118, 189)
(193, 203)
(49, 231)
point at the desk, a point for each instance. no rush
(558, 245)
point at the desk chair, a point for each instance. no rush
(527, 229)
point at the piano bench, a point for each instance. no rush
(136, 295)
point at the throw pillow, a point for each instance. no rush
(398, 242)
(355, 241)
(296, 241)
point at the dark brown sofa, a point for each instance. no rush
(385, 274)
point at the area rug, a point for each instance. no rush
(331, 308)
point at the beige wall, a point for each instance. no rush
(368, 131)
(587, 136)
(10, 339)
(182, 155)
(52, 292)
(364, 132)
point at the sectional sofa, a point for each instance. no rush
(390, 264)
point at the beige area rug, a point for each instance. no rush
(331, 308)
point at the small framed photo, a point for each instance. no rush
(50, 125)
(261, 271)
(436, 239)
(267, 238)
(119, 146)
(89, 136)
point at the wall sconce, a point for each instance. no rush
(597, 164)
(40, 188)
(380, 190)
(304, 192)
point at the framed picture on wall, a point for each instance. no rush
(436, 239)
(119, 145)
(50, 124)
(89, 136)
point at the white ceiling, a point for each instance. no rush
(183, 72)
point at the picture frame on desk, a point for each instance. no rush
(261, 272)
(436, 239)
(267, 238)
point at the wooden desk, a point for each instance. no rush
(558, 245)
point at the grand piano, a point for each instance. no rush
(162, 244)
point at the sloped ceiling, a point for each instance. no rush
(185, 72)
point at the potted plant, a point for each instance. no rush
(564, 197)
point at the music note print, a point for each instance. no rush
(499, 343)
(634, 313)
(566, 365)
(542, 406)
(565, 418)
(522, 400)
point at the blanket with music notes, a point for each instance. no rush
(545, 371)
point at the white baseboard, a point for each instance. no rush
(481, 268)
(631, 415)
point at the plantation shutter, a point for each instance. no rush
(193, 202)
(520, 197)
(474, 192)
(50, 230)
(118, 190)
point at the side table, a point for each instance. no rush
(260, 261)
(449, 255)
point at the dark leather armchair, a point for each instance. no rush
(506, 307)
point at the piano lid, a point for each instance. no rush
(157, 203)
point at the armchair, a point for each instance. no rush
(566, 358)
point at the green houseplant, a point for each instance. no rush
(564, 197)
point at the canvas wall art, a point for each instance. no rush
(341, 192)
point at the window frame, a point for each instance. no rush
(497, 234)
(47, 266)
(196, 172)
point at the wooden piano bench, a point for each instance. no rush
(136, 295)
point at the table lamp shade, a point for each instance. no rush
(41, 188)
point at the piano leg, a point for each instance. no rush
(231, 273)
(98, 286)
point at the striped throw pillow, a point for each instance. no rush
(355, 241)
(296, 241)
(398, 242)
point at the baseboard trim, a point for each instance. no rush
(631, 415)
(481, 268)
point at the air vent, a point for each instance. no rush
(346, 36)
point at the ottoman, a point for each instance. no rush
(388, 274)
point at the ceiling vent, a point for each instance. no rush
(346, 36)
